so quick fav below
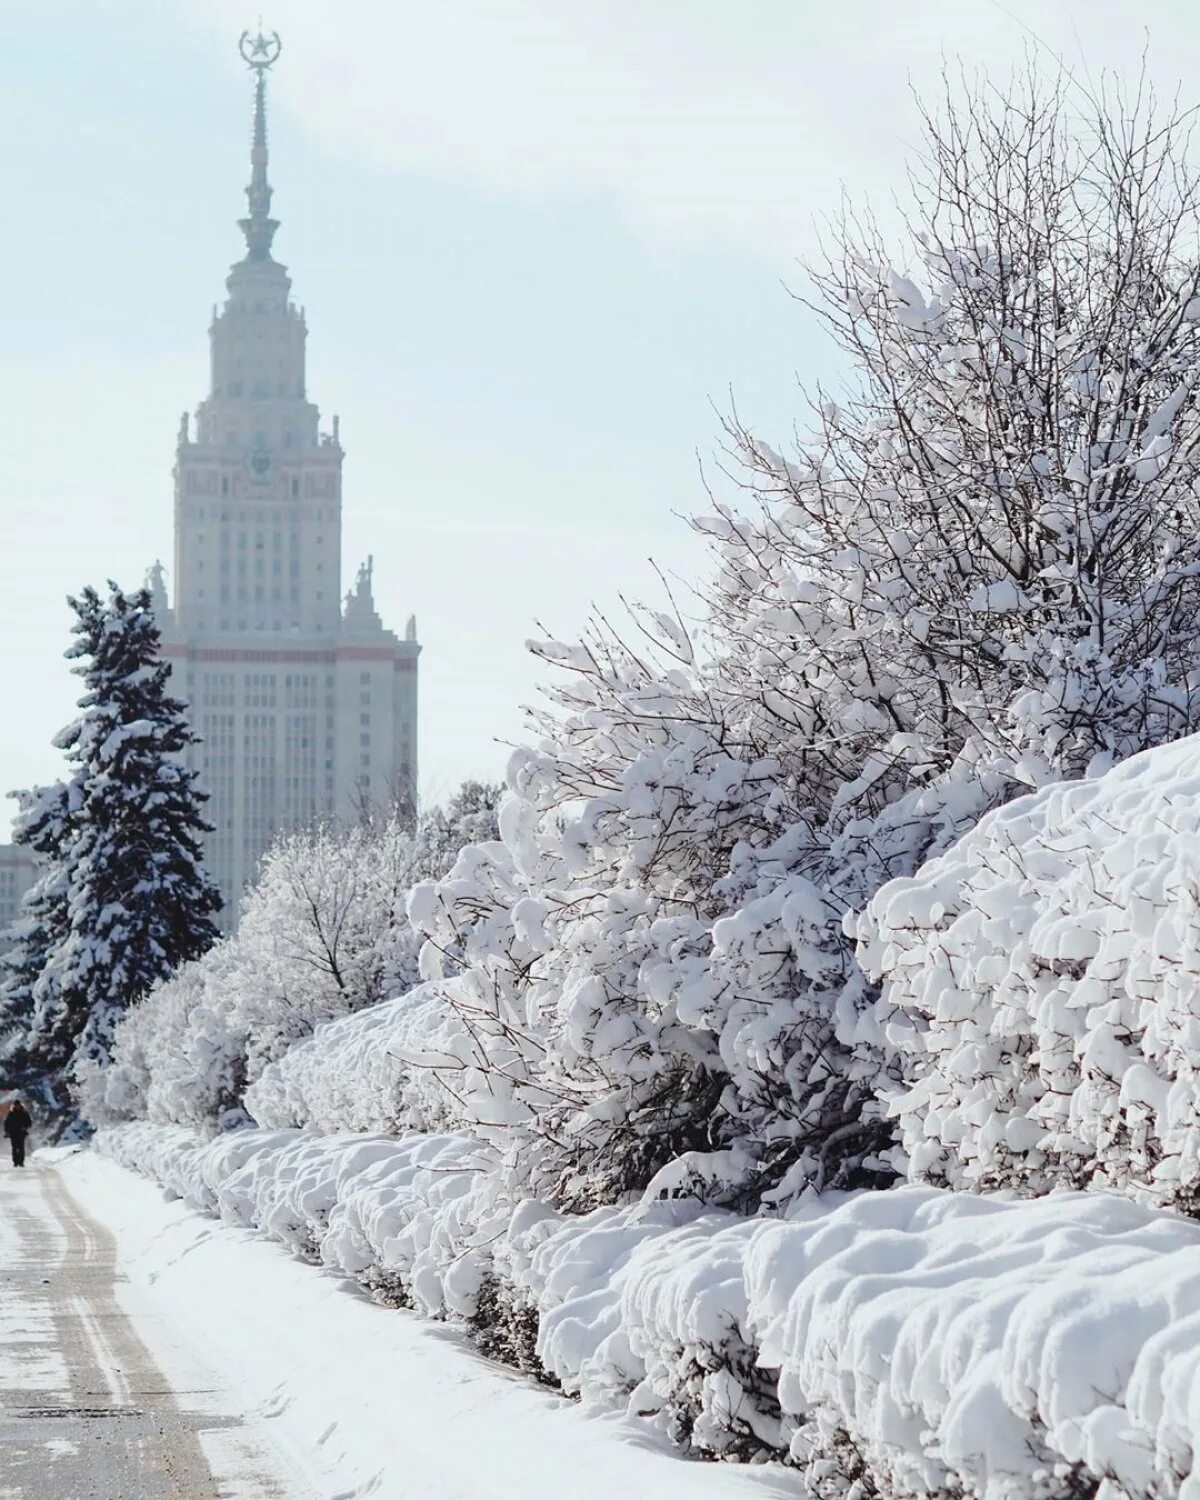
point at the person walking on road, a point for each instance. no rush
(17, 1123)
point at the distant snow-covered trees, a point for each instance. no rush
(324, 933)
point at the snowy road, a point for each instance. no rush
(85, 1408)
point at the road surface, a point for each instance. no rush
(85, 1409)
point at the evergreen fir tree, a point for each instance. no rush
(33, 1042)
(138, 902)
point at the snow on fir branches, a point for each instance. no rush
(123, 898)
(29, 1001)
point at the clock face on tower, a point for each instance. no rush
(258, 466)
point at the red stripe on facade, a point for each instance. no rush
(365, 653)
(319, 658)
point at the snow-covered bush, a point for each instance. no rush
(1041, 981)
(352, 1074)
(981, 574)
(958, 1345)
(419, 1226)
(180, 1057)
(915, 1344)
(645, 1307)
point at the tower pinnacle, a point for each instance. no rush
(259, 53)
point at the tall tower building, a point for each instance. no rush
(306, 706)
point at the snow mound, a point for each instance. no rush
(1041, 984)
(916, 1342)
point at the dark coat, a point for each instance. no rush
(17, 1121)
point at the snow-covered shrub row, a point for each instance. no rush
(970, 1345)
(918, 1342)
(323, 933)
(1042, 984)
(352, 1074)
(392, 1213)
(923, 614)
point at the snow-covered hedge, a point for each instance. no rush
(354, 1074)
(1042, 983)
(927, 1343)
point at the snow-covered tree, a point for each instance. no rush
(324, 931)
(138, 900)
(469, 817)
(981, 572)
(986, 558)
(35, 1037)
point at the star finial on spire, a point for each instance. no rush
(259, 53)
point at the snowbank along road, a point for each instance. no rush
(85, 1409)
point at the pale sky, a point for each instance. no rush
(540, 243)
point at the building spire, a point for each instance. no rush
(259, 53)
